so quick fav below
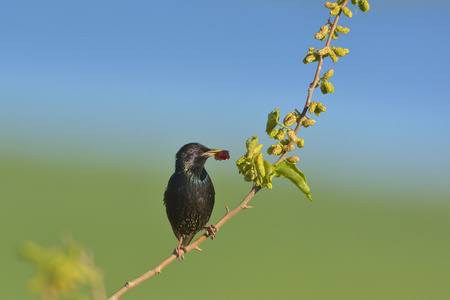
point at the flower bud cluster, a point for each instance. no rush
(327, 74)
(293, 159)
(330, 5)
(335, 11)
(341, 29)
(245, 164)
(334, 52)
(281, 134)
(253, 166)
(290, 119)
(362, 4)
(346, 11)
(275, 149)
(308, 122)
(316, 108)
(336, 7)
(311, 56)
(287, 138)
(322, 33)
(326, 87)
(324, 51)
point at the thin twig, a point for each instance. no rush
(312, 86)
(193, 246)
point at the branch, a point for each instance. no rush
(313, 85)
(319, 66)
(243, 205)
(194, 245)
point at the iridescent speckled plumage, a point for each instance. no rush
(189, 196)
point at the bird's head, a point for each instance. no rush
(192, 157)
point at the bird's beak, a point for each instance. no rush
(212, 152)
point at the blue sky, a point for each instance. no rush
(126, 80)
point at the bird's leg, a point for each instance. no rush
(210, 231)
(180, 247)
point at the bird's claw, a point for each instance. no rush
(178, 253)
(210, 231)
(180, 247)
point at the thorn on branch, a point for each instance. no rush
(157, 270)
(247, 207)
(228, 210)
(198, 249)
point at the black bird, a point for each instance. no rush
(189, 196)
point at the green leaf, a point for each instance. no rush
(290, 171)
(272, 120)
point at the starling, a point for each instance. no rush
(189, 196)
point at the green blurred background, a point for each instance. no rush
(347, 244)
(96, 98)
